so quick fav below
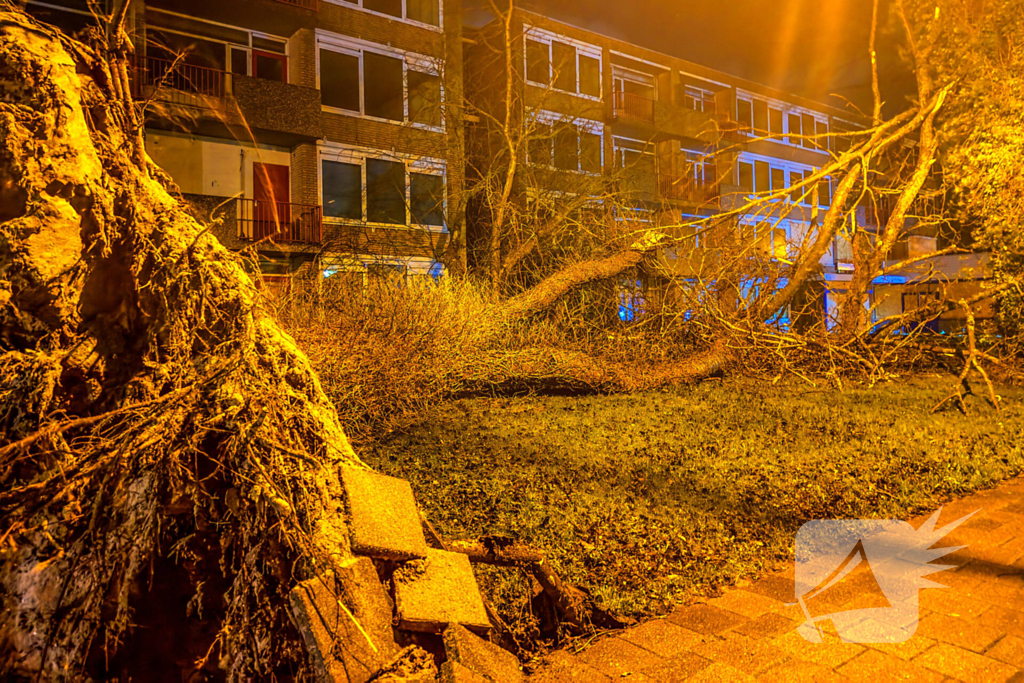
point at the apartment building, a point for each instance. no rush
(679, 141)
(329, 138)
(313, 134)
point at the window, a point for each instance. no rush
(796, 194)
(566, 148)
(563, 59)
(760, 116)
(778, 179)
(775, 121)
(746, 176)
(562, 64)
(794, 129)
(395, 88)
(566, 145)
(539, 144)
(385, 192)
(424, 98)
(824, 192)
(590, 76)
(426, 199)
(343, 190)
(821, 129)
(388, 191)
(697, 99)
(422, 11)
(216, 46)
(762, 176)
(339, 80)
(591, 152)
(538, 63)
(807, 122)
(745, 113)
(383, 87)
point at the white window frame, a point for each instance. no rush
(585, 49)
(553, 119)
(786, 167)
(786, 109)
(413, 164)
(411, 61)
(687, 88)
(413, 266)
(248, 48)
(358, 6)
(646, 147)
(772, 224)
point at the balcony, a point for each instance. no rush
(280, 222)
(686, 189)
(272, 111)
(632, 108)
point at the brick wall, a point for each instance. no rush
(303, 174)
(302, 58)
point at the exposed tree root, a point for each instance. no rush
(149, 405)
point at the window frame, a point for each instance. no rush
(411, 61)
(413, 164)
(228, 46)
(358, 6)
(788, 169)
(788, 110)
(581, 49)
(554, 119)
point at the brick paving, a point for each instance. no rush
(971, 631)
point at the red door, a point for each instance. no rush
(270, 190)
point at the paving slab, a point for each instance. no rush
(620, 658)
(872, 666)
(662, 638)
(383, 518)
(560, 666)
(437, 591)
(345, 646)
(705, 618)
(480, 656)
(964, 665)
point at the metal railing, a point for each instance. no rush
(177, 75)
(304, 4)
(626, 105)
(280, 221)
(687, 189)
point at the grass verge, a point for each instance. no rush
(647, 498)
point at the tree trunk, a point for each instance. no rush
(148, 402)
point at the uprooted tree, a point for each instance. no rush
(150, 406)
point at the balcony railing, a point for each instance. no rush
(626, 105)
(304, 4)
(687, 189)
(177, 75)
(280, 221)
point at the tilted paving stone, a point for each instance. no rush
(481, 656)
(383, 517)
(677, 669)
(341, 649)
(768, 625)
(453, 672)
(437, 591)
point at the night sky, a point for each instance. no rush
(808, 47)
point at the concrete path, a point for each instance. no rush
(971, 631)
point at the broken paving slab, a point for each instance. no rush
(340, 649)
(480, 656)
(383, 516)
(437, 591)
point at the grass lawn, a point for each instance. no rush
(647, 498)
